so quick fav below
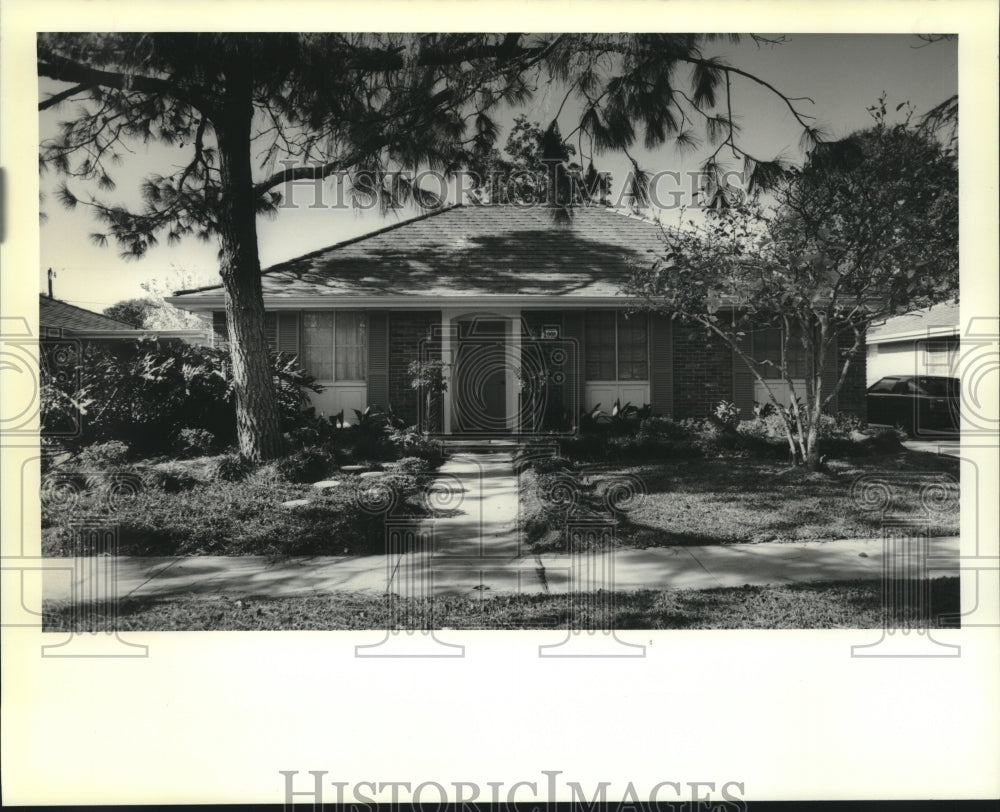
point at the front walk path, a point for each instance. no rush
(472, 547)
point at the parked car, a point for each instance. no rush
(917, 403)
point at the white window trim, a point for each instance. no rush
(333, 381)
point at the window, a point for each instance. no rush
(885, 386)
(617, 347)
(600, 345)
(938, 357)
(935, 387)
(767, 347)
(333, 345)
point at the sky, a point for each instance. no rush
(842, 74)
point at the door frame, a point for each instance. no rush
(450, 318)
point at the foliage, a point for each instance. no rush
(130, 311)
(147, 395)
(194, 442)
(410, 465)
(535, 167)
(726, 416)
(307, 465)
(232, 468)
(152, 312)
(764, 438)
(412, 443)
(622, 419)
(168, 481)
(868, 228)
(101, 456)
(427, 377)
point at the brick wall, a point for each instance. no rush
(406, 330)
(703, 371)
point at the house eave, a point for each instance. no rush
(127, 335)
(915, 335)
(405, 302)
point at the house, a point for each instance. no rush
(924, 342)
(61, 320)
(527, 315)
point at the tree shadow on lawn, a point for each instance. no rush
(743, 475)
(850, 604)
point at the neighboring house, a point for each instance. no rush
(528, 316)
(924, 342)
(58, 319)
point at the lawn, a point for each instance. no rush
(746, 500)
(831, 605)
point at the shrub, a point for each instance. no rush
(552, 465)
(410, 465)
(101, 456)
(194, 442)
(755, 429)
(307, 465)
(231, 468)
(302, 437)
(146, 393)
(412, 443)
(657, 429)
(700, 428)
(847, 423)
(622, 419)
(403, 485)
(168, 481)
(726, 416)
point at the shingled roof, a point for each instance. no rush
(56, 315)
(940, 319)
(472, 251)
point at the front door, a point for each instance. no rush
(479, 379)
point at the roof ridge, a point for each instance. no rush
(45, 298)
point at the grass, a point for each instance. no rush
(734, 499)
(830, 605)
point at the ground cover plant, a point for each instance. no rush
(222, 504)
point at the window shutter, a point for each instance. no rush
(288, 333)
(743, 380)
(831, 373)
(271, 330)
(378, 359)
(661, 364)
(573, 332)
(220, 329)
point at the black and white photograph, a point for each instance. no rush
(601, 356)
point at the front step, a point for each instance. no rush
(454, 446)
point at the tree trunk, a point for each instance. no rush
(258, 420)
(812, 446)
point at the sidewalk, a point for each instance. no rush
(701, 567)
